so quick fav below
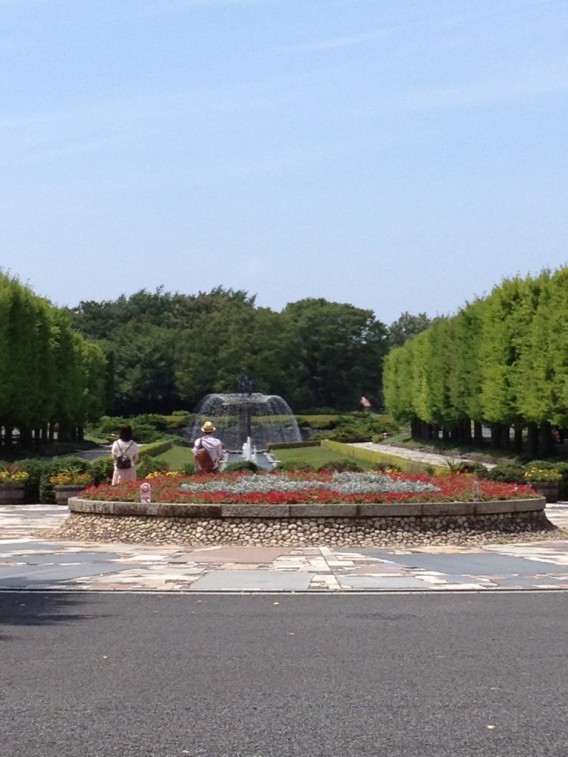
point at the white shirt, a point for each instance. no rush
(119, 447)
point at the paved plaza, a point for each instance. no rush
(30, 559)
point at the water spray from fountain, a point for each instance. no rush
(247, 422)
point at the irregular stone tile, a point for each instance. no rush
(304, 550)
(110, 586)
(75, 558)
(381, 582)
(54, 572)
(25, 546)
(251, 580)
(376, 570)
(481, 563)
(234, 554)
(442, 580)
(325, 582)
(531, 582)
(240, 566)
(557, 554)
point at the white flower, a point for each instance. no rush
(342, 483)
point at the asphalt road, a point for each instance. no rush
(280, 675)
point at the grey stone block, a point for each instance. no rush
(255, 511)
(446, 509)
(323, 511)
(385, 510)
(530, 505)
(186, 511)
(509, 506)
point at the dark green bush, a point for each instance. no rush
(562, 468)
(34, 467)
(510, 474)
(46, 491)
(59, 465)
(543, 464)
(296, 465)
(149, 464)
(319, 411)
(102, 469)
(340, 466)
(316, 422)
(383, 467)
(293, 445)
(144, 433)
(145, 428)
(359, 427)
(245, 465)
(470, 466)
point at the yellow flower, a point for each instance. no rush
(13, 476)
(80, 479)
(161, 474)
(542, 474)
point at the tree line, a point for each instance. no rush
(500, 361)
(50, 376)
(154, 352)
(170, 350)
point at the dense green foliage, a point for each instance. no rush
(170, 350)
(501, 361)
(406, 326)
(51, 378)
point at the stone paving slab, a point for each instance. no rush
(251, 580)
(390, 583)
(479, 564)
(29, 560)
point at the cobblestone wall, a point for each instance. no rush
(343, 531)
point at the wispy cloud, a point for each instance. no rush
(335, 43)
(517, 85)
(521, 87)
(96, 126)
(171, 6)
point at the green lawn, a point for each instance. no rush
(314, 456)
(176, 457)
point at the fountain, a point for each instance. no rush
(247, 422)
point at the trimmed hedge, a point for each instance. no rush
(373, 456)
(292, 445)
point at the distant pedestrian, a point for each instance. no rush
(208, 450)
(125, 454)
(365, 404)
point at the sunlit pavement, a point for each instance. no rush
(29, 559)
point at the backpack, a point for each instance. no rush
(204, 460)
(123, 462)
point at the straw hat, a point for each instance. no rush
(208, 427)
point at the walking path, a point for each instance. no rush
(30, 560)
(431, 458)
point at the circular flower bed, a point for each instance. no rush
(305, 509)
(312, 488)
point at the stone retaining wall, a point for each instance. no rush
(306, 525)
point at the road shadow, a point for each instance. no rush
(38, 608)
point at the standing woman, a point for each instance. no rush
(125, 455)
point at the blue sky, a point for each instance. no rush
(398, 155)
